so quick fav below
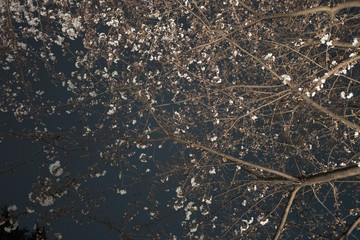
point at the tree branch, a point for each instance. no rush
(332, 175)
(350, 229)
(295, 89)
(235, 160)
(335, 70)
(286, 213)
(329, 10)
(328, 112)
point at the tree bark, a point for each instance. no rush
(330, 176)
(286, 213)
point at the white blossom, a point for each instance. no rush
(190, 207)
(207, 200)
(269, 55)
(248, 222)
(344, 71)
(325, 38)
(123, 96)
(355, 42)
(58, 236)
(352, 55)
(111, 110)
(87, 131)
(55, 169)
(46, 201)
(343, 95)
(93, 94)
(286, 78)
(264, 222)
(212, 171)
(12, 208)
(39, 92)
(194, 226)
(179, 192)
(13, 226)
(203, 211)
(193, 183)
(178, 205)
(100, 174)
(142, 157)
(29, 210)
(121, 191)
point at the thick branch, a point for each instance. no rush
(350, 229)
(335, 43)
(328, 112)
(286, 213)
(332, 175)
(329, 10)
(346, 44)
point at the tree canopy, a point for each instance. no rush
(234, 119)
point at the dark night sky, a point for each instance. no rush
(24, 158)
(21, 164)
(21, 161)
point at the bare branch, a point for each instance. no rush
(336, 69)
(329, 10)
(295, 89)
(236, 160)
(332, 175)
(350, 229)
(328, 112)
(286, 213)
